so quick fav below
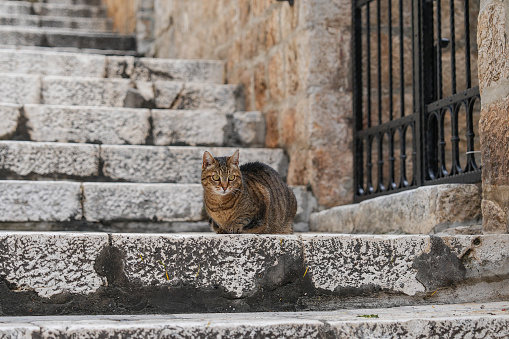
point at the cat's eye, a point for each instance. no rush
(231, 177)
(215, 177)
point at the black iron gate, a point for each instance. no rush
(416, 100)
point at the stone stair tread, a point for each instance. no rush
(85, 91)
(69, 2)
(473, 320)
(142, 164)
(55, 37)
(117, 126)
(68, 201)
(74, 50)
(425, 210)
(182, 273)
(52, 9)
(49, 62)
(69, 23)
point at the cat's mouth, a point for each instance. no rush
(221, 191)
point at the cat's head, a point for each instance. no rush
(221, 175)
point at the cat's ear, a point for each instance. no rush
(234, 159)
(208, 160)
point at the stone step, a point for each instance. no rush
(148, 164)
(448, 208)
(77, 64)
(89, 51)
(83, 91)
(91, 273)
(96, 202)
(473, 320)
(89, 24)
(52, 9)
(54, 37)
(68, 2)
(117, 126)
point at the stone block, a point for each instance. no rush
(24, 158)
(234, 263)
(425, 210)
(276, 77)
(24, 201)
(68, 10)
(50, 265)
(9, 115)
(249, 128)
(20, 89)
(102, 125)
(166, 93)
(174, 164)
(19, 8)
(142, 202)
(189, 127)
(84, 91)
(119, 66)
(51, 63)
(205, 71)
(17, 36)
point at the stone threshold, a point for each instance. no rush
(425, 210)
(83, 273)
(477, 320)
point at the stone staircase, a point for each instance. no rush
(97, 138)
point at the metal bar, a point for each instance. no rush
(361, 3)
(438, 70)
(453, 48)
(379, 46)
(465, 178)
(389, 8)
(441, 144)
(368, 52)
(388, 126)
(380, 163)
(401, 62)
(456, 167)
(471, 164)
(403, 157)
(392, 185)
(369, 165)
(467, 44)
(469, 93)
(358, 95)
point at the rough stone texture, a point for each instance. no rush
(69, 10)
(249, 128)
(51, 63)
(493, 30)
(179, 70)
(494, 128)
(179, 127)
(160, 273)
(21, 159)
(85, 124)
(39, 201)
(474, 320)
(424, 210)
(51, 265)
(84, 91)
(56, 37)
(174, 164)
(20, 89)
(194, 96)
(9, 115)
(142, 202)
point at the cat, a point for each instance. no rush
(252, 198)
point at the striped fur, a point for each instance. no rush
(251, 198)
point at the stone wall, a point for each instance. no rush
(294, 63)
(123, 13)
(493, 41)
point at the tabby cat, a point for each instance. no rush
(251, 198)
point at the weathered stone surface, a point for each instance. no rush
(160, 273)
(166, 92)
(69, 10)
(23, 158)
(39, 201)
(190, 127)
(202, 71)
(12, 7)
(421, 211)
(20, 89)
(118, 202)
(174, 164)
(84, 91)
(54, 264)
(223, 98)
(86, 124)
(51, 63)
(249, 128)
(475, 320)
(9, 116)
(89, 24)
